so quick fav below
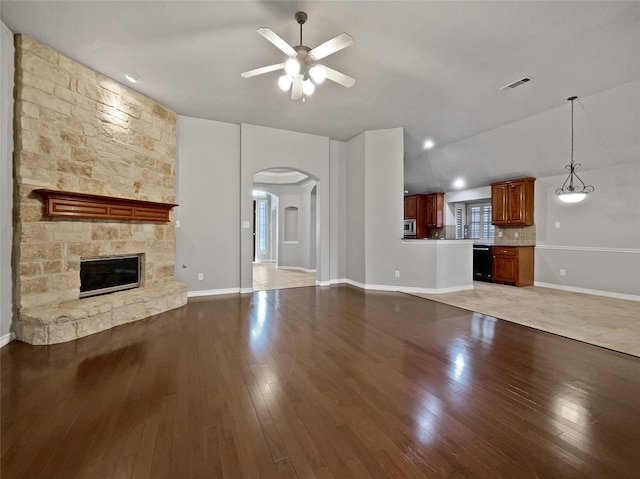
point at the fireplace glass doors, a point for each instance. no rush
(109, 274)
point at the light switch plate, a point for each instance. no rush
(246, 224)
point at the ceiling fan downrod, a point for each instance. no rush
(301, 18)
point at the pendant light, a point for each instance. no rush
(573, 189)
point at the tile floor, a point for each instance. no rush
(607, 322)
(267, 276)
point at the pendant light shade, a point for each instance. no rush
(573, 189)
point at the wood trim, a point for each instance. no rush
(66, 204)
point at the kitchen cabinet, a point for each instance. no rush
(512, 202)
(415, 208)
(513, 265)
(435, 210)
(411, 207)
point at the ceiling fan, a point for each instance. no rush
(302, 70)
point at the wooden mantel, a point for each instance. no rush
(65, 204)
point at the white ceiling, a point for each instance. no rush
(433, 68)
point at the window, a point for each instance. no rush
(479, 220)
(262, 225)
(459, 223)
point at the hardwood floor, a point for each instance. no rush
(319, 383)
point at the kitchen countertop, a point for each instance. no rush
(471, 240)
(429, 240)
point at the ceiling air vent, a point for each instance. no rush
(515, 84)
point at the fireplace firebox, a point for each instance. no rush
(108, 274)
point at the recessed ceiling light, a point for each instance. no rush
(459, 183)
(132, 78)
(428, 144)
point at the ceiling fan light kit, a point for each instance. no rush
(302, 70)
(573, 189)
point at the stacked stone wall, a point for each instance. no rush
(77, 130)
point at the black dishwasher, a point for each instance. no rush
(482, 262)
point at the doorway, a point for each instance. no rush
(285, 229)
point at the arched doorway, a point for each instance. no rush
(285, 229)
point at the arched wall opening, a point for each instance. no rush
(269, 149)
(285, 221)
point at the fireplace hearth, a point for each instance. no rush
(109, 274)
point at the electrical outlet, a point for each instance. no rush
(557, 225)
(397, 274)
(499, 234)
(200, 276)
(563, 272)
(177, 223)
(516, 234)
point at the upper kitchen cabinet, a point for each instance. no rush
(512, 202)
(411, 207)
(435, 210)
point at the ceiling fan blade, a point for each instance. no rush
(336, 44)
(296, 88)
(274, 38)
(341, 78)
(260, 71)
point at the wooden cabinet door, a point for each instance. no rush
(499, 208)
(513, 265)
(512, 202)
(517, 203)
(410, 207)
(435, 210)
(504, 269)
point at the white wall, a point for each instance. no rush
(338, 209)
(6, 181)
(374, 225)
(355, 209)
(208, 194)
(264, 148)
(597, 242)
(384, 203)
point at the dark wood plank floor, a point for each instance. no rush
(319, 383)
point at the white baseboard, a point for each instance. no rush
(370, 287)
(6, 339)
(212, 292)
(596, 292)
(401, 289)
(454, 289)
(297, 268)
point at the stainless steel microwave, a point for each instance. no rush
(409, 227)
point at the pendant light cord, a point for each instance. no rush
(572, 131)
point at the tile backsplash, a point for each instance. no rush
(515, 235)
(512, 236)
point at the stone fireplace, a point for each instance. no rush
(78, 131)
